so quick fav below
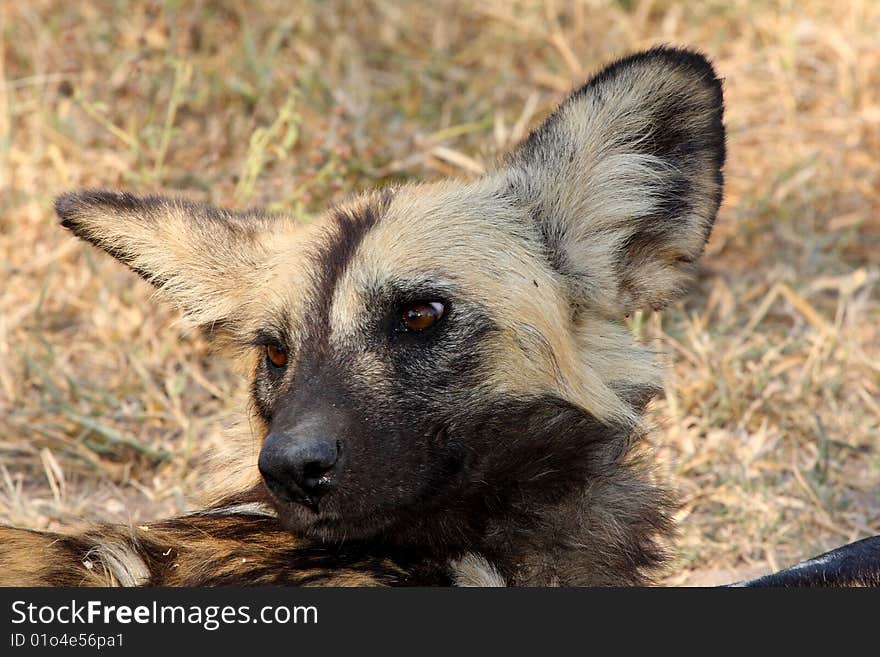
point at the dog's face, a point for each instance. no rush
(432, 347)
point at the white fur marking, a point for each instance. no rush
(245, 509)
(121, 563)
(473, 570)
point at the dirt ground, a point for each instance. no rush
(770, 423)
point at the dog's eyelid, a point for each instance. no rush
(265, 337)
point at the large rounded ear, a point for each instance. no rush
(206, 260)
(624, 179)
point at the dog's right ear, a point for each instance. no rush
(204, 259)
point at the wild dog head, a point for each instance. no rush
(424, 355)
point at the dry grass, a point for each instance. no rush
(771, 418)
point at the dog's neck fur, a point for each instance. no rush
(598, 520)
(608, 532)
(606, 529)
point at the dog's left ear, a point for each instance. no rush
(624, 180)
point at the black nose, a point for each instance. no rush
(298, 468)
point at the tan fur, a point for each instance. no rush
(28, 559)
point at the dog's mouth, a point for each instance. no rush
(339, 518)
(321, 520)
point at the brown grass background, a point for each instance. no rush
(770, 422)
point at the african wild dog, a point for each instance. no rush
(441, 372)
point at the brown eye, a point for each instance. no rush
(276, 355)
(422, 315)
